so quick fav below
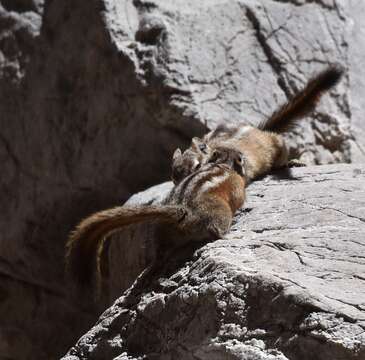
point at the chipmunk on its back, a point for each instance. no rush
(201, 207)
(263, 147)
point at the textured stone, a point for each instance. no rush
(94, 97)
(274, 45)
(18, 35)
(286, 283)
(356, 11)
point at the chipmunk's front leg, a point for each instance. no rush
(295, 163)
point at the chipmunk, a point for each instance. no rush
(263, 147)
(202, 207)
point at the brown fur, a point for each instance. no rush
(200, 207)
(286, 117)
(263, 147)
(84, 246)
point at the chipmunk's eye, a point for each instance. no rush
(239, 165)
(240, 159)
(214, 157)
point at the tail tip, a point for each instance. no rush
(333, 75)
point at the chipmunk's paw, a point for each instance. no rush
(295, 163)
(216, 232)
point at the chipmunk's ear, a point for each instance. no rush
(199, 145)
(177, 154)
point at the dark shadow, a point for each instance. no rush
(159, 276)
(284, 173)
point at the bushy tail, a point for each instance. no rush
(85, 244)
(286, 117)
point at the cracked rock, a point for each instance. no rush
(96, 95)
(287, 282)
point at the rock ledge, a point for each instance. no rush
(286, 283)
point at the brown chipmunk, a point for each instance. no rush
(201, 207)
(263, 147)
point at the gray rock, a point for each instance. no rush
(96, 95)
(18, 37)
(274, 46)
(356, 10)
(286, 283)
(22, 6)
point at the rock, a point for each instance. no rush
(286, 283)
(22, 6)
(18, 37)
(96, 95)
(356, 9)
